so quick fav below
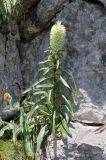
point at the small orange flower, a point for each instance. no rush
(6, 96)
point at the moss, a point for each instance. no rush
(9, 151)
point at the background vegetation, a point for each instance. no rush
(10, 9)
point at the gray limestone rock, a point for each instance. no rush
(46, 11)
(85, 144)
(104, 2)
(32, 53)
(96, 116)
(10, 71)
(85, 48)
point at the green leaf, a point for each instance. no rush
(64, 82)
(9, 126)
(43, 62)
(38, 101)
(58, 62)
(32, 111)
(67, 117)
(39, 81)
(68, 104)
(44, 69)
(64, 124)
(69, 74)
(49, 85)
(63, 131)
(40, 138)
(45, 113)
(16, 105)
(35, 84)
(21, 118)
(28, 148)
(50, 96)
(48, 69)
(31, 103)
(39, 92)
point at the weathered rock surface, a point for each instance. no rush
(10, 71)
(47, 11)
(85, 144)
(104, 2)
(85, 49)
(96, 116)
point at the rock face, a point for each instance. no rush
(85, 49)
(22, 46)
(84, 145)
(10, 71)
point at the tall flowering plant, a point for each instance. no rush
(50, 109)
(46, 108)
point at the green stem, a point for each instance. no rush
(54, 81)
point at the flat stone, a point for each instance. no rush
(92, 116)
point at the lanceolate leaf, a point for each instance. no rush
(64, 124)
(39, 93)
(21, 118)
(58, 62)
(35, 84)
(40, 138)
(50, 96)
(41, 80)
(43, 62)
(64, 82)
(43, 69)
(48, 85)
(48, 70)
(63, 131)
(32, 111)
(68, 104)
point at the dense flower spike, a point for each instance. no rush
(57, 38)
